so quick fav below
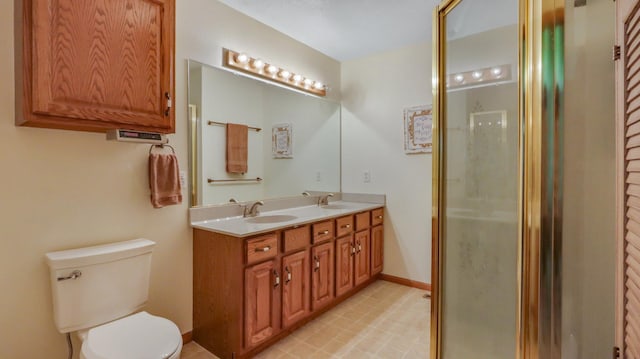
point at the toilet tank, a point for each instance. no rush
(113, 282)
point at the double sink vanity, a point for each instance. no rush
(261, 274)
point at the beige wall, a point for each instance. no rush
(64, 189)
(375, 92)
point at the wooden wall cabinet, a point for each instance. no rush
(95, 65)
(250, 292)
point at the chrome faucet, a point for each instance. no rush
(253, 210)
(324, 200)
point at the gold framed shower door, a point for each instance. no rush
(540, 71)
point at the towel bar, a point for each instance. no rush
(214, 123)
(162, 146)
(257, 179)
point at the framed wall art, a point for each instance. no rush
(417, 129)
(282, 141)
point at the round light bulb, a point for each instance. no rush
(297, 78)
(272, 69)
(459, 78)
(318, 85)
(476, 75)
(242, 58)
(308, 82)
(285, 74)
(258, 64)
(496, 71)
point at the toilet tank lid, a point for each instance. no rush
(98, 254)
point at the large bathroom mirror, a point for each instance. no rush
(293, 141)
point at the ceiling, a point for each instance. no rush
(349, 29)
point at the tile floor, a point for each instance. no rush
(384, 320)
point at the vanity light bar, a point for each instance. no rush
(257, 67)
(477, 77)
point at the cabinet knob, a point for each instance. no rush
(286, 269)
(379, 217)
(277, 281)
(346, 226)
(167, 110)
(263, 249)
(323, 232)
(353, 250)
(317, 260)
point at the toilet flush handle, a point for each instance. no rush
(74, 275)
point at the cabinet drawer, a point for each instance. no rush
(322, 231)
(363, 220)
(296, 238)
(344, 226)
(377, 216)
(262, 247)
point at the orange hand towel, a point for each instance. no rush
(164, 180)
(237, 139)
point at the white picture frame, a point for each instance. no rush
(418, 129)
(282, 140)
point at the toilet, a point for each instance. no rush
(98, 293)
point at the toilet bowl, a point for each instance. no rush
(96, 290)
(138, 336)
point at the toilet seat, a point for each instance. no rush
(139, 336)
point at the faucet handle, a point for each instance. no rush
(306, 194)
(330, 195)
(233, 200)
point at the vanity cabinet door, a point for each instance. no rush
(377, 249)
(345, 252)
(322, 275)
(261, 286)
(94, 65)
(295, 288)
(362, 260)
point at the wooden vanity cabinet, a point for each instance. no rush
(94, 65)
(362, 264)
(295, 287)
(261, 295)
(322, 275)
(250, 292)
(345, 252)
(377, 249)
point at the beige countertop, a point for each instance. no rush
(239, 226)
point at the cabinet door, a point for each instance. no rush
(362, 260)
(345, 252)
(295, 290)
(322, 275)
(261, 284)
(377, 249)
(94, 64)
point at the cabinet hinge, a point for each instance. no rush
(168, 98)
(616, 352)
(616, 53)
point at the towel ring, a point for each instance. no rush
(162, 146)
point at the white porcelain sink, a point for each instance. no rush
(276, 218)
